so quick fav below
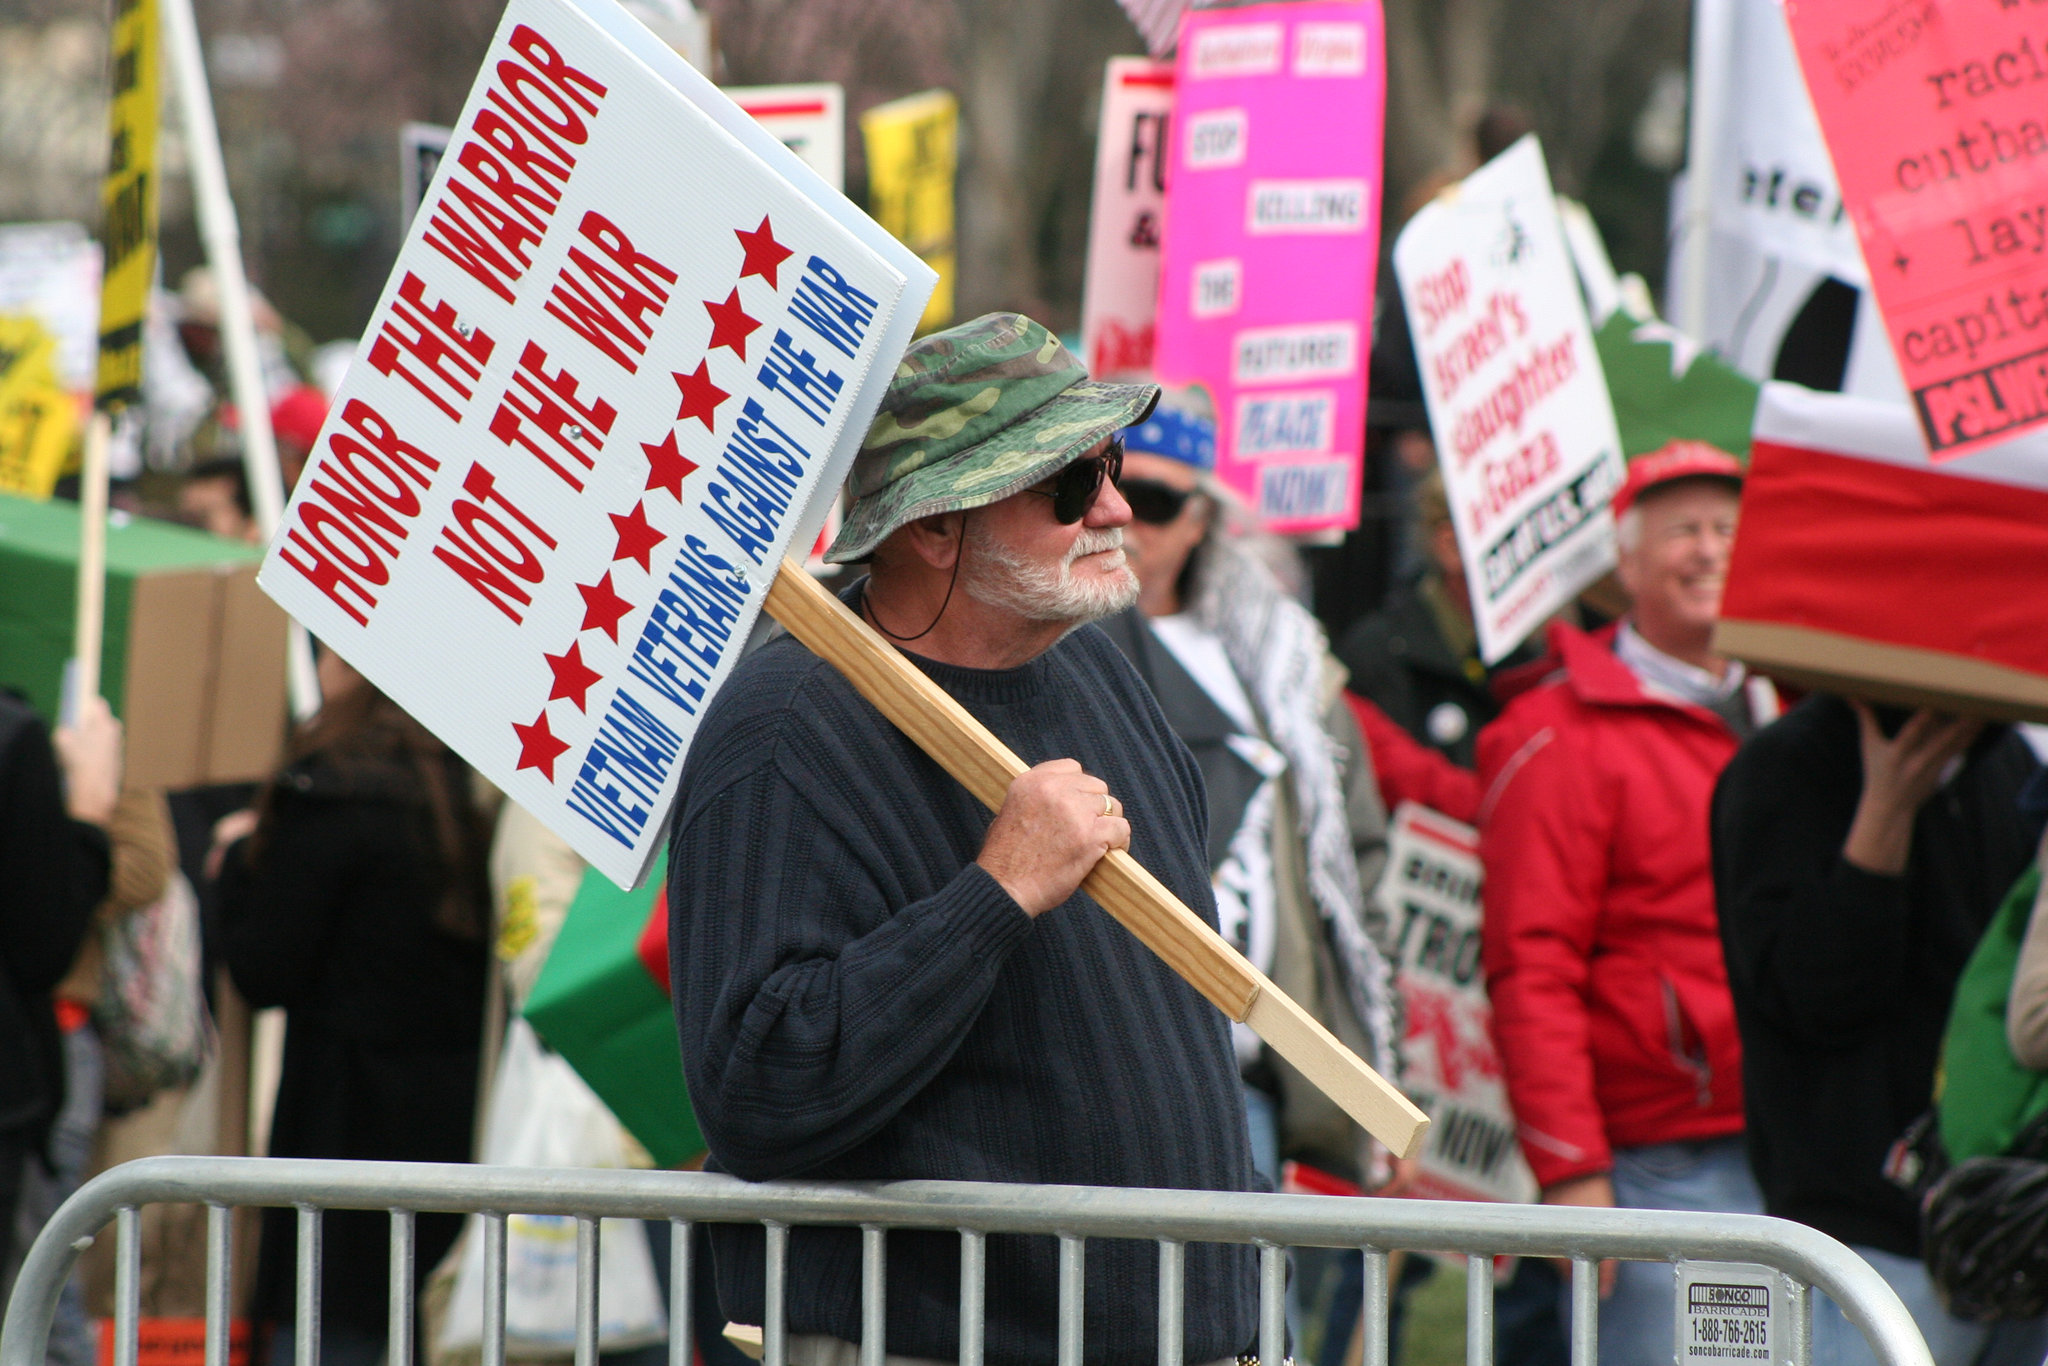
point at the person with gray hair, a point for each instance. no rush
(872, 979)
(1601, 945)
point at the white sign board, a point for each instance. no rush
(51, 272)
(1517, 401)
(1730, 1311)
(590, 412)
(1120, 299)
(810, 120)
(1430, 897)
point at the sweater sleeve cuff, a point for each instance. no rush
(990, 920)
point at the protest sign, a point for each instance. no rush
(913, 151)
(51, 272)
(1524, 428)
(809, 120)
(38, 417)
(129, 199)
(420, 149)
(590, 411)
(1931, 112)
(1120, 297)
(1272, 240)
(1430, 897)
(1864, 566)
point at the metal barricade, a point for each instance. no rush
(1802, 1258)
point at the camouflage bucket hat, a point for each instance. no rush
(975, 414)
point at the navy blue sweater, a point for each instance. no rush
(858, 1000)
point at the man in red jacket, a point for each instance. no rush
(1602, 954)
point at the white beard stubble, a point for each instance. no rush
(1000, 577)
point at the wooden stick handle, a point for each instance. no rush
(985, 766)
(89, 626)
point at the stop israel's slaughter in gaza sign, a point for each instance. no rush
(1524, 427)
(629, 350)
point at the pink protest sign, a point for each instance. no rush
(1272, 234)
(1121, 296)
(1932, 112)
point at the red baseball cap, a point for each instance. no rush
(1674, 461)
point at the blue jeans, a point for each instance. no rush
(1711, 1175)
(1952, 1341)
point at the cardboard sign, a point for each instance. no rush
(129, 200)
(1272, 240)
(913, 147)
(590, 411)
(1524, 429)
(1932, 111)
(1865, 567)
(809, 120)
(1120, 299)
(1430, 896)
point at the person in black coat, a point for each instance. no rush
(1858, 857)
(357, 903)
(53, 871)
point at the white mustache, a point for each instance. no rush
(1094, 540)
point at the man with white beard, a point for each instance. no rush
(873, 980)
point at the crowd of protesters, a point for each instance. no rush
(1723, 927)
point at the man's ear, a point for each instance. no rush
(936, 540)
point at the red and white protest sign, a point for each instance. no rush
(1120, 300)
(1932, 113)
(628, 351)
(809, 120)
(1430, 896)
(1272, 242)
(1524, 427)
(1864, 566)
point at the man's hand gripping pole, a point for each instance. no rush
(944, 729)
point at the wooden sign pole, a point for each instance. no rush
(984, 765)
(89, 620)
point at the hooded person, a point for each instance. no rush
(873, 979)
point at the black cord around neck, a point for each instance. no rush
(867, 607)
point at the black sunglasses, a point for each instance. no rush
(1078, 483)
(1152, 501)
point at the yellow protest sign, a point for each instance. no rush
(913, 148)
(38, 416)
(129, 198)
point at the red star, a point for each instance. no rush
(700, 396)
(730, 325)
(636, 538)
(667, 467)
(572, 676)
(602, 606)
(538, 747)
(764, 253)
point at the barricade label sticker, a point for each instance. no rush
(1730, 1311)
(588, 416)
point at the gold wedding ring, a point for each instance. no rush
(1108, 805)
